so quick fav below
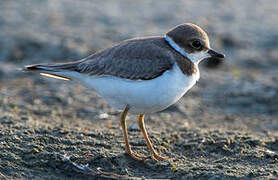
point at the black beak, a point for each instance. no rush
(215, 54)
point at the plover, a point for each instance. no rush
(141, 75)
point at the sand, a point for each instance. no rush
(226, 127)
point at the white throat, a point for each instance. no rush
(194, 57)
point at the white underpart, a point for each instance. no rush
(143, 96)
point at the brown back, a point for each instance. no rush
(136, 59)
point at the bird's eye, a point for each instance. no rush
(196, 44)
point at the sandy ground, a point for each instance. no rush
(226, 127)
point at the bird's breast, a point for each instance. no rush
(143, 96)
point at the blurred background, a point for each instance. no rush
(237, 94)
(67, 29)
(247, 32)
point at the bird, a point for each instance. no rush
(142, 75)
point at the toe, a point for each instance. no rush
(158, 157)
(136, 156)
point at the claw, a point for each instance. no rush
(158, 157)
(136, 156)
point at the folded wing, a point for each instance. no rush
(133, 59)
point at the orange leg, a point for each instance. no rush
(127, 146)
(154, 154)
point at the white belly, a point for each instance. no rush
(143, 96)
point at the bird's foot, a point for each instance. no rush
(158, 157)
(136, 156)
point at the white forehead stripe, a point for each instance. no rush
(175, 46)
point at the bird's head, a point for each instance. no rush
(192, 42)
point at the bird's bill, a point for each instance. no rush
(215, 54)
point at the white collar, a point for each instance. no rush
(175, 46)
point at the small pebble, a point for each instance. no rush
(103, 116)
(134, 127)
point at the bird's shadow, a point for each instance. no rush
(120, 166)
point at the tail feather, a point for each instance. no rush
(56, 76)
(57, 70)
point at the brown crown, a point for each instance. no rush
(184, 34)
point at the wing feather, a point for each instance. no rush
(134, 59)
